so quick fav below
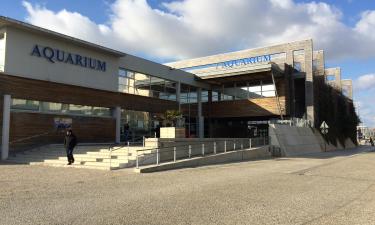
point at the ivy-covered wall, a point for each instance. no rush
(337, 110)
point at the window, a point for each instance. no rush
(345, 91)
(330, 77)
(80, 110)
(51, 107)
(215, 96)
(21, 104)
(297, 66)
(59, 108)
(141, 84)
(315, 64)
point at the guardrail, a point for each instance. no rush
(298, 122)
(180, 152)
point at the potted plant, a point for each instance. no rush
(173, 125)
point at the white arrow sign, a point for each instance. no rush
(324, 125)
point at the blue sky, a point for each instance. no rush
(148, 29)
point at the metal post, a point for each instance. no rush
(234, 145)
(241, 144)
(215, 147)
(250, 143)
(143, 141)
(225, 146)
(202, 149)
(110, 157)
(128, 148)
(157, 156)
(137, 163)
(5, 128)
(174, 154)
(189, 151)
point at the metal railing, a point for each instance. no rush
(297, 122)
(127, 145)
(179, 152)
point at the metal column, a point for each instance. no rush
(5, 128)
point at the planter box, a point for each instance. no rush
(172, 132)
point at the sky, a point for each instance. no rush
(170, 30)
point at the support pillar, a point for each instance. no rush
(200, 117)
(5, 128)
(178, 95)
(117, 116)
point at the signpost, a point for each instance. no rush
(324, 129)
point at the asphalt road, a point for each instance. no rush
(326, 188)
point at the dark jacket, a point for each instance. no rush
(70, 141)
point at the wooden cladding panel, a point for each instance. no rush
(245, 108)
(87, 129)
(257, 107)
(55, 92)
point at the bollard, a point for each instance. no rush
(189, 151)
(250, 143)
(137, 165)
(215, 148)
(157, 156)
(202, 149)
(225, 146)
(234, 145)
(128, 148)
(143, 141)
(241, 144)
(174, 154)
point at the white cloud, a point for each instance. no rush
(191, 28)
(365, 82)
(365, 91)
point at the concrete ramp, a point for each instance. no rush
(220, 158)
(293, 140)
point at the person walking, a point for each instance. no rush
(70, 142)
(371, 141)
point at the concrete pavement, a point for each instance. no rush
(323, 188)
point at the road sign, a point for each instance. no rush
(324, 127)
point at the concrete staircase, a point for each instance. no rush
(86, 156)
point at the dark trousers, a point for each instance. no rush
(69, 154)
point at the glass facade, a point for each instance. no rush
(242, 90)
(141, 84)
(140, 124)
(59, 108)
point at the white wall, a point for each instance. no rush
(2, 51)
(20, 62)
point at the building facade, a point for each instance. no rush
(49, 80)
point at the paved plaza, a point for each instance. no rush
(324, 188)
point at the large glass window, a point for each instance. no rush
(22, 104)
(59, 108)
(145, 85)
